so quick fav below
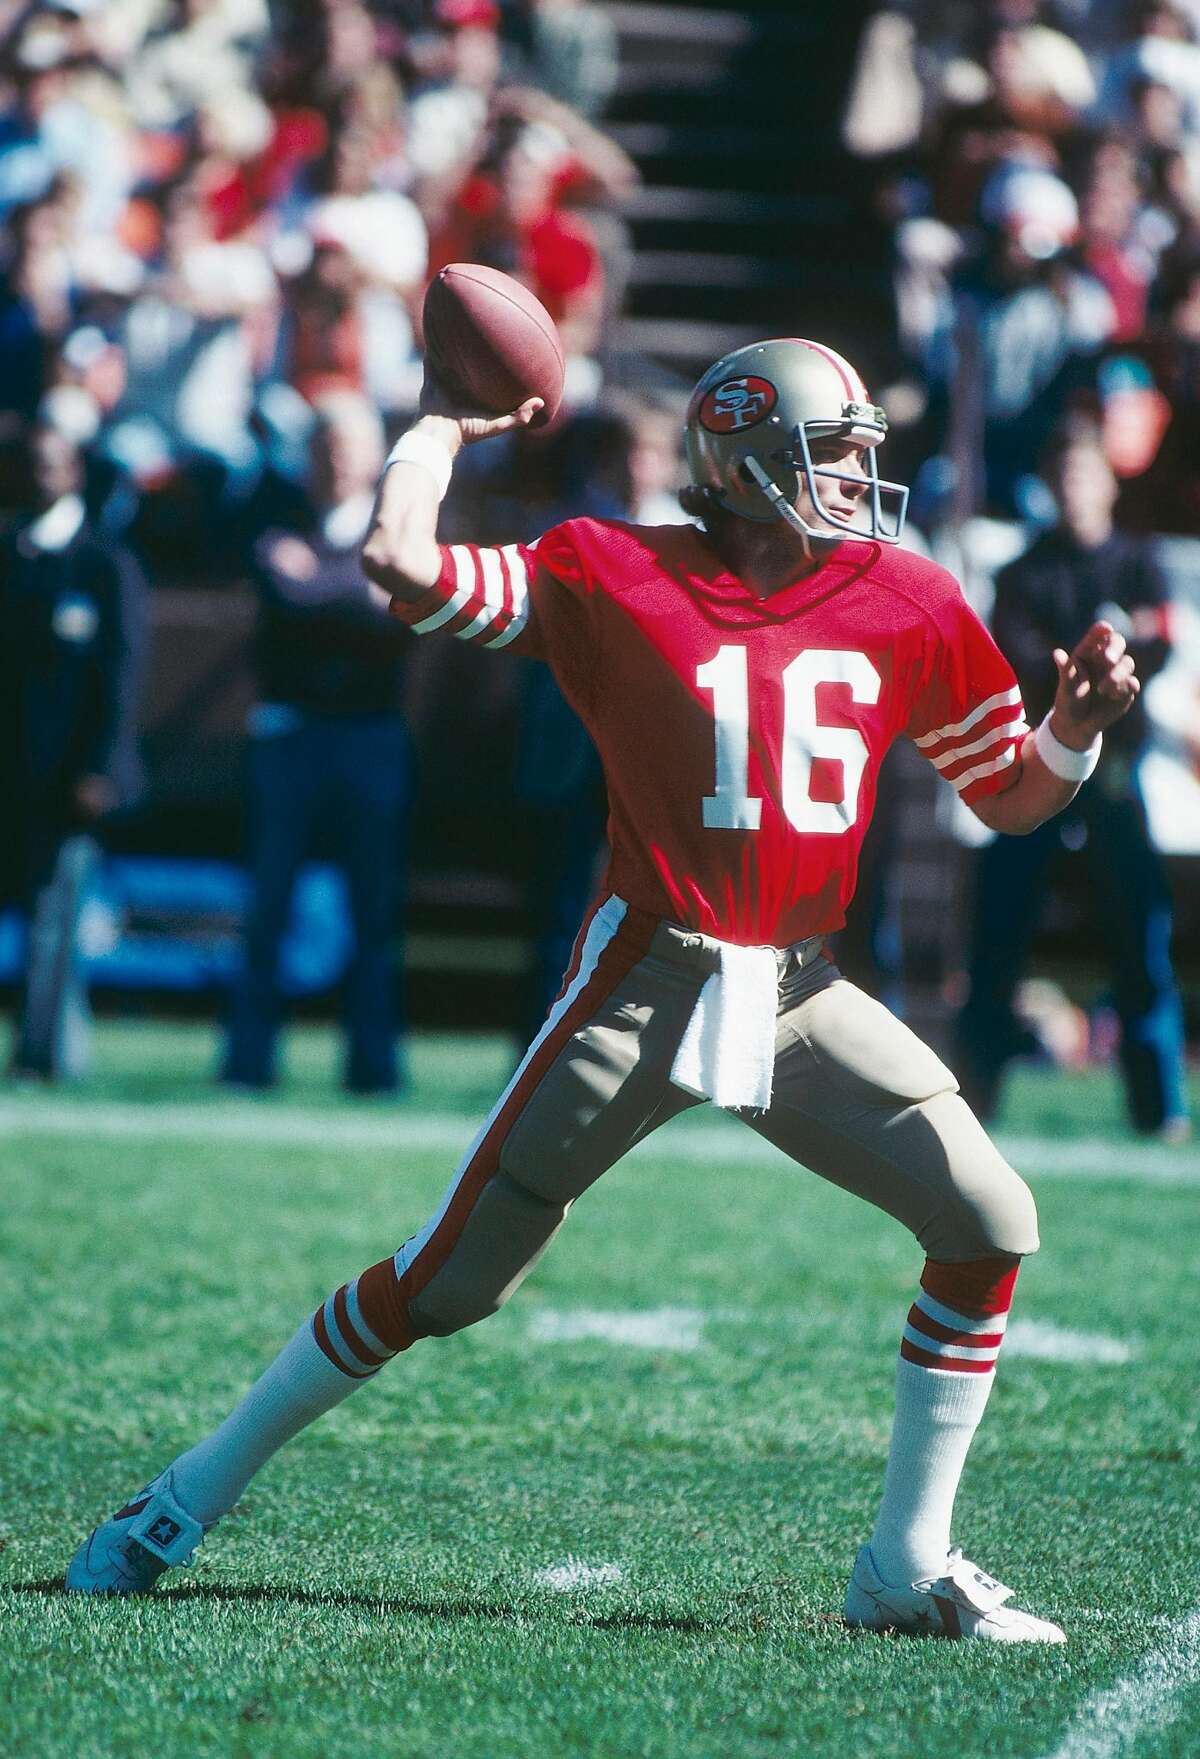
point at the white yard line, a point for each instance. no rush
(236, 1121)
(654, 1328)
(1107, 1723)
(1042, 1341)
(682, 1329)
(1096, 1157)
(689, 1142)
(572, 1576)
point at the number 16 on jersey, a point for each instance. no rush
(731, 807)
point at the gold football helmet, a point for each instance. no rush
(751, 423)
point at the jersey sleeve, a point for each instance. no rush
(969, 720)
(530, 598)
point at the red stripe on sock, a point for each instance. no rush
(954, 1364)
(945, 1334)
(321, 1334)
(978, 1288)
(350, 1337)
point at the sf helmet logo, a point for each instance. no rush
(737, 404)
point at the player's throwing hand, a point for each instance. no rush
(472, 423)
(1097, 684)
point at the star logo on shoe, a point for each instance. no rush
(163, 1531)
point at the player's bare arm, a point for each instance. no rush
(1097, 684)
(400, 556)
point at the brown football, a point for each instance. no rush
(490, 343)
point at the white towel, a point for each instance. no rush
(727, 1052)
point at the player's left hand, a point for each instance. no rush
(1097, 684)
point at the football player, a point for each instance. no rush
(742, 681)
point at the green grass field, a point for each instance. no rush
(618, 1518)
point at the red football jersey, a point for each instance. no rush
(741, 737)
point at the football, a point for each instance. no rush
(490, 343)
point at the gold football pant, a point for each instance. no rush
(858, 1099)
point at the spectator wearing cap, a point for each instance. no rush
(1081, 571)
(73, 613)
(329, 762)
(1019, 334)
(1010, 91)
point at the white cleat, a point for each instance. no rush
(128, 1554)
(965, 1602)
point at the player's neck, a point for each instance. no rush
(768, 558)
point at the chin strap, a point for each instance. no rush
(782, 505)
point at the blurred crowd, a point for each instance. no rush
(1040, 163)
(217, 211)
(218, 221)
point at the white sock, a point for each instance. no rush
(300, 1384)
(937, 1415)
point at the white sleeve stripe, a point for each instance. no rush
(506, 635)
(507, 606)
(493, 596)
(1007, 730)
(985, 769)
(518, 581)
(1004, 699)
(464, 592)
(494, 583)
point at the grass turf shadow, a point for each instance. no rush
(52, 1587)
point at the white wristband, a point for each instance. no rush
(1062, 760)
(430, 454)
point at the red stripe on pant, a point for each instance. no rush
(382, 1297)
(576, 959)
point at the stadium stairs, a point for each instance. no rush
(751, 220)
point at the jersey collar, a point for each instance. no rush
(728, 595)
